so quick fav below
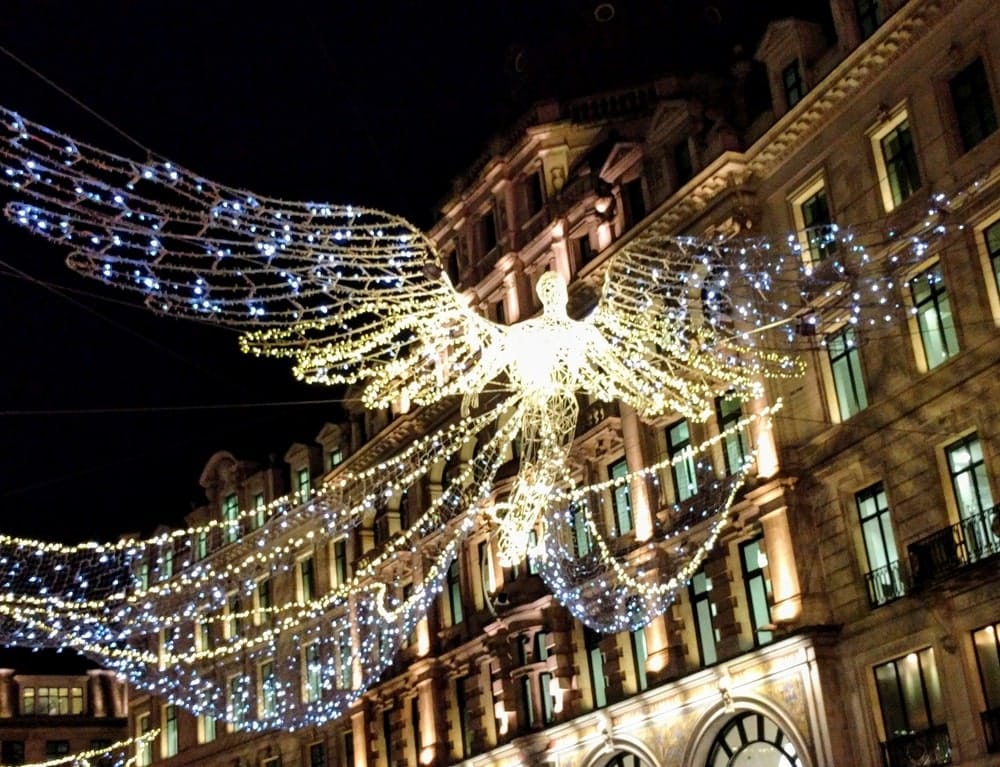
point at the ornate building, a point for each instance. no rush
(849, 613)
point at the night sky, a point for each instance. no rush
(379, 104)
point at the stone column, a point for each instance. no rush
(8, 693)
(96, 701)
(642, 513)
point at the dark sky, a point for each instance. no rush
(378, 103)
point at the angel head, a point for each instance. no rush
(551, 290)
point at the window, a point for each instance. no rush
(970, 96)
(534, 194)
(584, 249)
(734, 450)
(307, 580)
(230, 518)
(267, 690)
(704, 612)
(203, 636)
(51, 701)
(992, 235)
(312, 673)
(683, 166)
(144, 744)
(909, 695)
(639, 656)
(166, 562)
(206, 728)
(56, 748)
(340, 562)
(933, 316)
(454, 590)
(237, 705)
(581, 531)
(488, 231)
(303, 485)
(811, 210)
(317, 755)
(621, 499)
(348, 748)
(264, 603)
(595, 664)
(387, 737)
(883, 577)
(486, 575)
(528, 702)
(143, 575)
(541, 648)
(971, 486)
(346, 661)
(259, 510)
(635, 203)
(987, 647)
(896, 160)
(334, 458)
(415, 725)
(758, 590)
(870, 16)
(169, 730)
(749, 738)
(12, 752)
(465, 721)
(682, 468)
(234, 616)
(201, 544)
(845, 371)
(793, 84)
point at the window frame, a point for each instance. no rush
(758, 635)
(813, 252)
(675, 449)
(795, 90)
(856, 372)
(699, 597)
(884, 591)
(877, 134)
(621, 498)
(936, 298)
(961, 133)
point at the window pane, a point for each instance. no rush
(900, 159)
(933, 310)
(682, 468)
(988, 660)
(621, 498)
(970, 96)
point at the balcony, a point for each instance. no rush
(885, 585)
(927, 748)
(953, 548)
(991, 728)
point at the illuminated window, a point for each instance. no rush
(973, 104)
(263, 602)
(51, 701)
(758, 590)
(581, 531)
(201, 544)
(334, 458)
(230, 518)
(896, 160)
(203, 636)
(734, 450)
(339, 562)
(704, 611)
(144, 745)
(639, 656)
(206, 728)
(913, 713)
(682, 468)
(267, 689)
(754, 740)
(454, 592)
(870, 16)
(933, 314)
(883, 577)
(621, 498)
(166, 562)
(345, 661)
(527, 702)
(793, 84)
(307, 580)
(971, 487)
(234, 615)
(169, 730)
(303, 485)
(811, 211)
(237, 702)
(595, 665)
(845, 370)
(259, 510)
(312, 673)
(987, 647)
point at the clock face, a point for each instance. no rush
(752, 740)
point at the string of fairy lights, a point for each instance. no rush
(121, 753)
(357, 296)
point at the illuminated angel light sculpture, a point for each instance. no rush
(356, 296)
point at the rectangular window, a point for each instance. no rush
(817, 225)
(584, 249)
(267, 690)
(464, 715)
(237, 704)
(234, 616)
(973, 497)
(621, 498)
(206, 728)
(734, 449)
(144, 744)
(970, 96)
(317, 755)
(896, 159)
(527, 702)
(546, 682)
(12, 752)
(201, 544)
(230, 518)
(334, 458)
(387, 738)
(639, 656)
(340, 562)
(581, 530)
(346, 661)
(312, 673)
(203, 636)
(415, 725)
(349, 748)
(303, 485)
(704, 611)
(913, 715)
(683, 166)
(166, 562)
(51, 701)
(259, 510)
(682, 468)
(307, 580)
(883, 576)
(845, 370)
(992, 235)
(55, 748)
(793, 84)
(264, 604)
(454, 590)
(758, 589)
(534, 194)
(28, 707)
(934, 318)
(595, 664)
(987, 647)
(169, 730)
(488, 231)
(870, 16)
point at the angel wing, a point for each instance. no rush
(351, 294)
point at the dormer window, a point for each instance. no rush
(793, 84)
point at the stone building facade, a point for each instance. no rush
(849, 614)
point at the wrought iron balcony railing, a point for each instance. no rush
(948, 550)
(927, 748)
(991, 728)
(885, 584)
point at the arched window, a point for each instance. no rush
(752, 740)
(625, 760)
